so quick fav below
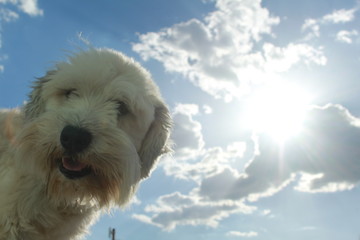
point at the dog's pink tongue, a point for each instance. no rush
(72, 165)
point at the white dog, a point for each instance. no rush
(93, 128)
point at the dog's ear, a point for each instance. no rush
(156, 141)
(36, 104)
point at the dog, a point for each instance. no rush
(92, 130)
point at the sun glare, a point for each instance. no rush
(277, 110)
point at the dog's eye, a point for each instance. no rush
(70, 92)
(122, 108)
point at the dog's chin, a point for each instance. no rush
(71, 168)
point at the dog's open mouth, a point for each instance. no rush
(73, 169)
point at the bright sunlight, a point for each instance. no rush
(278, 110)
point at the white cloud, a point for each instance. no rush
(242, 234)
(207, 109)
(176, 209)
(312, 26)
(186, 132)
(8, 15)
(191, 160)
(210, 162)
(306, 184)
(346, 36)
(340, 16)
(282, 59)
(29, 7)
(218, 54)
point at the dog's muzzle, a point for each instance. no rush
(74, 140)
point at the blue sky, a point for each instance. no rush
(239, 77)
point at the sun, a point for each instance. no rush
(278, 110)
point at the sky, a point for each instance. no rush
(264, 96)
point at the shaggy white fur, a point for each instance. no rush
(93, 128)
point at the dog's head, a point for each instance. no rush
(94, 127)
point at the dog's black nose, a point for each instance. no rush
(75, 139)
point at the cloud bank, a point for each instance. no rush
(225, 52)
(323, 158)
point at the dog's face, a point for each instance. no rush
(94, 128)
